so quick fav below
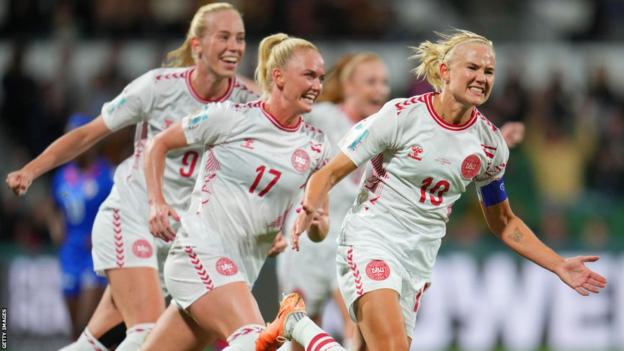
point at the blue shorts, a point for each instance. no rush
(77, 271)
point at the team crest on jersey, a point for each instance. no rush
(142, 248)
(300, 160)
(416, 152)
(168, 122)
(470, 166)
(377, 270)
(227, 267)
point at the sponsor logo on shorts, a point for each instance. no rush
(300, 160)
(225, 266)
(142, 248)
(470, 166)
(377, 270)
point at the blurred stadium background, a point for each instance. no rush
(559, 71)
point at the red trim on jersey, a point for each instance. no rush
(197, 97)
(277, 123)
(444, 124)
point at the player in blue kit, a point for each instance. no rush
(78, 189)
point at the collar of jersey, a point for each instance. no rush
(197, 97)
(276, 123)
(444, 124)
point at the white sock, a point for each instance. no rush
(86, 342)
(244, 338)
(348, 344)
(135, 337)
(301, 328)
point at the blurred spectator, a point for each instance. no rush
(595, 234)
(369, 19)
(559, 145)
(605, 172)
(22, 112)
(554, 230)
(604, 107)
(106, 82)
(58, 96)
(511, 103)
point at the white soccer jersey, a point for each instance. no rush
(252, 172)
(419, 166)
(332, 120)
(153, 102)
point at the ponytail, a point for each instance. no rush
(273, 52)
(183, 56)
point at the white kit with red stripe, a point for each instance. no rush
(418, 165)
(311, 271)
(152, 102)
(251, 174)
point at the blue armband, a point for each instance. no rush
(493, 193)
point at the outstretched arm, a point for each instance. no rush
(63, 149)
(171, 138)
(316, 193)
(517, 235)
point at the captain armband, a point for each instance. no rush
(493, 193)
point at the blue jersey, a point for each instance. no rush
(79, 194)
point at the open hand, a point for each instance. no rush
(302, 224)
(159, 223)
(580, 278)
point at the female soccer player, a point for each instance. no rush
(202, 71)
(258, 157)
(424, 151)
(356, 88)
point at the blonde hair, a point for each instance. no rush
(333, 87)
(183, 56)
(275, 51)
(431, 55)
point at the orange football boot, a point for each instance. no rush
(273, 336)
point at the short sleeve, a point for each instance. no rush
(495, 168)
(210, 125)
(132, 105)
(327, 153)
(371, 136)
